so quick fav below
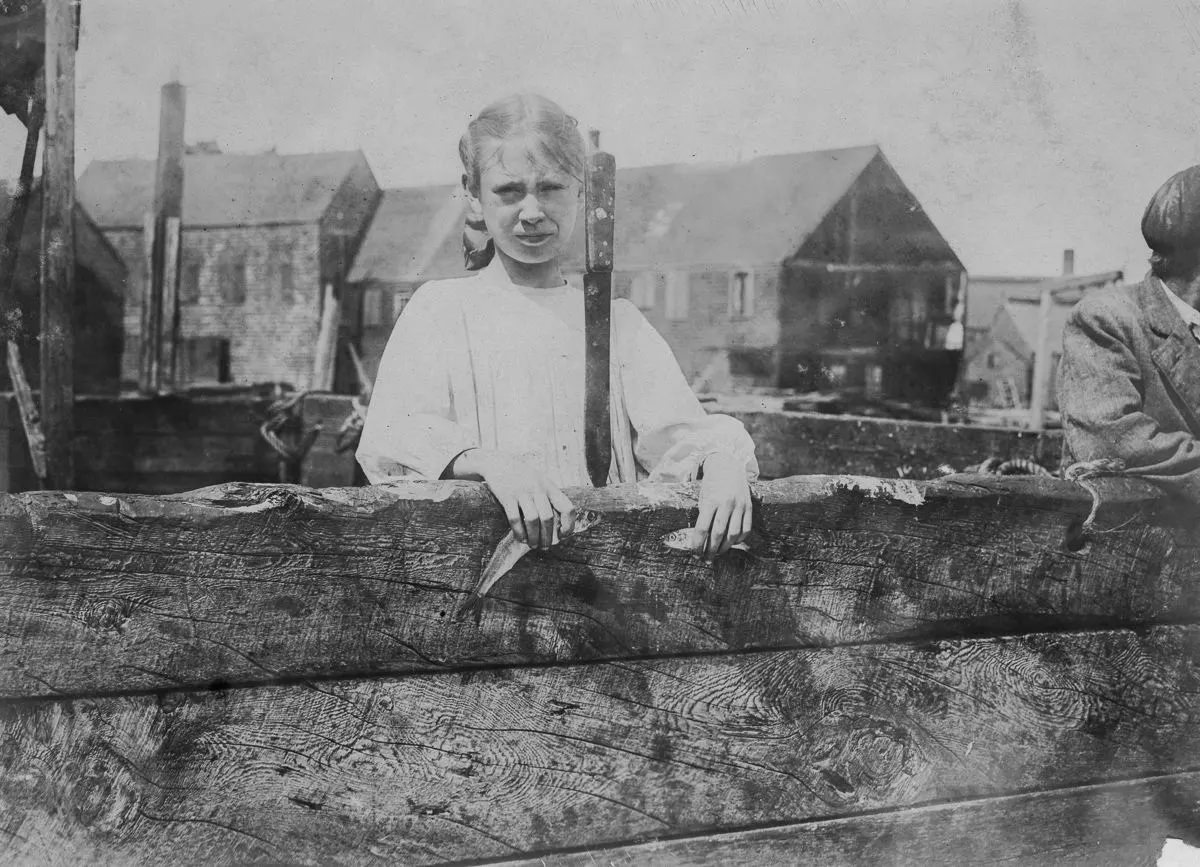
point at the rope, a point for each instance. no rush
(350, 432)
(1081, 473)
(286, 413)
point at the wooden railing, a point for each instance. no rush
(947, 672)
(173, 444)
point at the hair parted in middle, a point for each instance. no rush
(552, 132)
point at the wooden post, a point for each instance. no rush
(323, 364)
(160, 300)
(58, 244)
(1041, 364)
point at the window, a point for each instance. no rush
(372, 312)
(231, 277)
(642, 292)
(991, 361)
(281, 271)
(189, 286)
(676, 302)
(206, 359)
(741, 295)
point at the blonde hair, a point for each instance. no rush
(554, 132)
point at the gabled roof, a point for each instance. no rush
(220, 189)
(755, 212)
(415, 235)
(669, 215)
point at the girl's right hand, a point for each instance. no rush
(533, 503)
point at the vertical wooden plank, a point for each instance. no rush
(160, 313)
(323, 364)
(1041, 364)
(168, 207)
(168, 363)
(151, 314)
(58, 243)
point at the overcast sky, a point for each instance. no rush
(1022, 127)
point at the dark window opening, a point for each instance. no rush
(189, 287)
(206, 360)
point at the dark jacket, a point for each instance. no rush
(1129, 386)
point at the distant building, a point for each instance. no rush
(998, 365)
(415, 236)
(796, 270)
(99, 297)
(986, 295)
(262, 235)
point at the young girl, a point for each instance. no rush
(483, 376)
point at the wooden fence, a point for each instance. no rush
(174, 444)
(898, 672)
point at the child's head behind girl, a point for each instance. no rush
(523, 168)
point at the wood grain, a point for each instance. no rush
(250, 583)
(505, 762)
(1114, 825)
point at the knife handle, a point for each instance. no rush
(599, 201)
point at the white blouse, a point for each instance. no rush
(481, 362)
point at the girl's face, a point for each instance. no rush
(529, 207)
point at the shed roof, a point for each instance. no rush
(220, 189)
(755, 212)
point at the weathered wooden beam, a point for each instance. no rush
(442, 767)
(245, 583)
(1107, 825)
(13, 325)
(790, 443)
(58, 244)
(160, 308)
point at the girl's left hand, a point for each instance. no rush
(725, 507)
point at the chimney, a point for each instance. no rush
(1068, 262)
(168, 179)
(594, 135)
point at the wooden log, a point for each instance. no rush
(442, 767)
(249, 583)
(792, 443)
(58, 245)
(787, 443)
(1109, 825)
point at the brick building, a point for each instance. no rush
(263, 234)
(781, 271)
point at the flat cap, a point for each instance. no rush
(1172, 219)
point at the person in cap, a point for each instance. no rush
(1129, 380)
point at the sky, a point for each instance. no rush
(1024, 127)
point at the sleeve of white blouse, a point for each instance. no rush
(672, 432)
(411, 428)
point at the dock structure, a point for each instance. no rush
(956, 672)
